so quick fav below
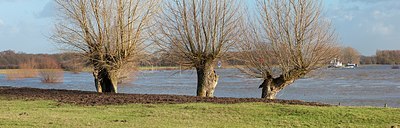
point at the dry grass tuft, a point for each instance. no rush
(52, 76)
(51, 72)
(18, 74)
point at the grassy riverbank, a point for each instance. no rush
(41, 113)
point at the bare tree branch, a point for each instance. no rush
(290, 39)
(198, 32)
(110, 34)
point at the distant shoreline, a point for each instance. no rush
(149, 68)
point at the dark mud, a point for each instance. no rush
(93, 98)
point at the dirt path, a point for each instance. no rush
(93, 98)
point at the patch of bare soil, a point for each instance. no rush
(94, 98)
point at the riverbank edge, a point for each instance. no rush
(87, 98)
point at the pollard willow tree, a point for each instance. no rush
(110, 34)
(290, 39)
(198, 32)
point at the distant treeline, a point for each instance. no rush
(71, 61)
(387, 57)
(12, 60)
(382, 57)
(164, 59)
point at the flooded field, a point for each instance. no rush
(363, 86)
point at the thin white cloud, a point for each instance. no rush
(348, 17)
(1, 23)
(1, 1)
(371, 1)
(49, 10)
(383, 29)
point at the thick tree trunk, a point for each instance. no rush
(271, 86)
(96, 81)
(105, 81)
(206, 80)
(269, 90)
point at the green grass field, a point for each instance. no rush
(18, 113)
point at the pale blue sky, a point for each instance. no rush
(367, 25)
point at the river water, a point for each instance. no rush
(363, 86)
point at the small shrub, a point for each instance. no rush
(51, 71)
(52, 76)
